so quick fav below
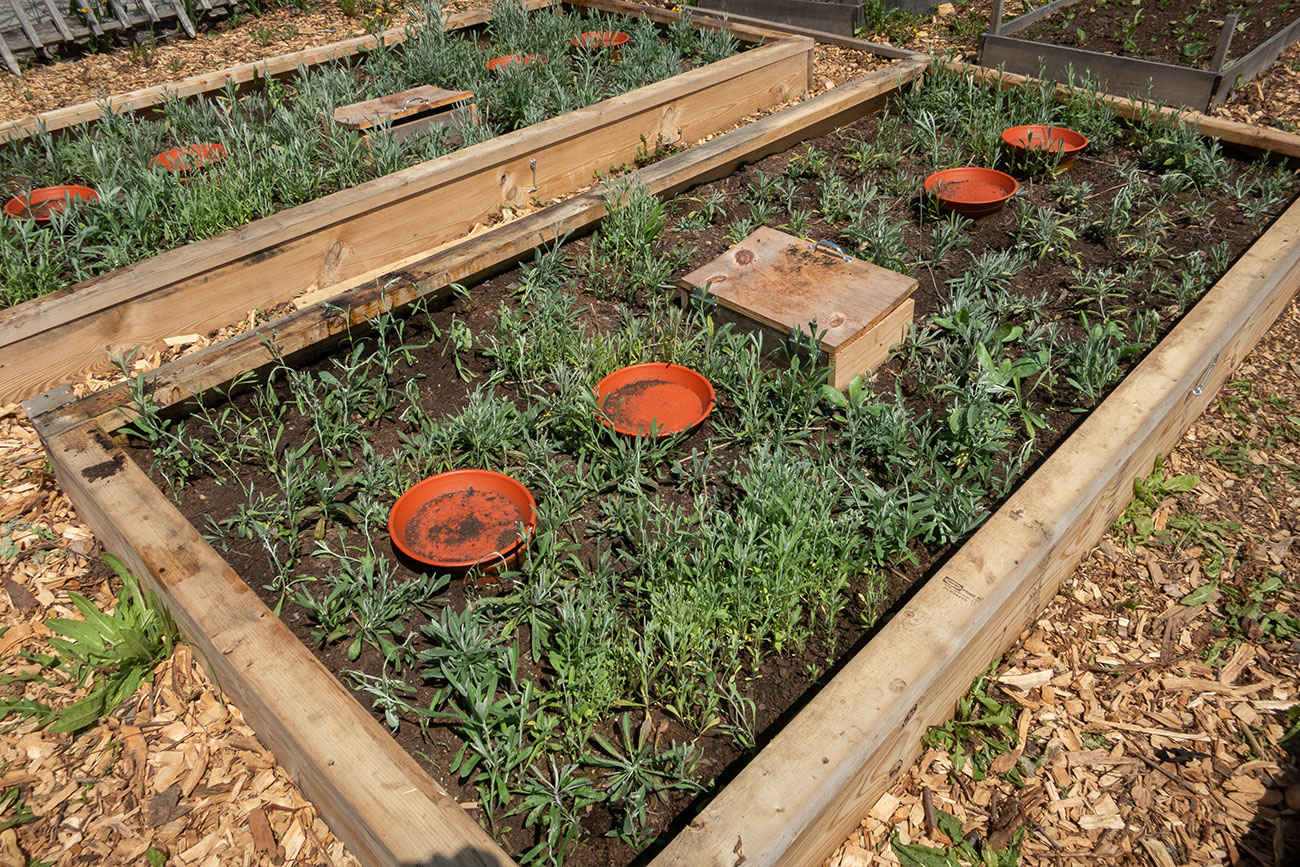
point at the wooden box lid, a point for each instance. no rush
(417, 100)
(782, 281)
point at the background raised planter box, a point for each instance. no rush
(1165, 83)
(809, 786)
(353, 236)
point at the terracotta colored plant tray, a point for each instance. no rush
(600, 39)
(41, 203)
(190, 157)
(975, 192)
(659, 397)
(496, 64)
(1066, 143)
(462, 519)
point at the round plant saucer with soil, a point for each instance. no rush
(182, 160)
(497, 64)
(972, 191)
(1064, 144)
(600, 39)
(655, 398)
(463, 519)
(40, 204)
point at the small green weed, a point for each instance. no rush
(113, 653)
(1137, 525)
(982, 729)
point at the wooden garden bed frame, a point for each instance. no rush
(803, 793)
(350, 237)
(1167, 83)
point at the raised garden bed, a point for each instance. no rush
(1164, 51)
(345, 238)
(797, 798)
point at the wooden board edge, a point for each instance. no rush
(807, 790)
(1171, 83)
(870, 350)
(1020, 22)
(374, 796)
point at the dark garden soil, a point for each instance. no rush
(784, 682)
(1171, 31)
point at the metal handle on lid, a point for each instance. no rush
(407, 104)
(833, 246)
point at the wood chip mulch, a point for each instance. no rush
(47, 86)
(1133, 747)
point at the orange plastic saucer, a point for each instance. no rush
(975, 192)
(39, 204)
(666, 398)
(462, 519)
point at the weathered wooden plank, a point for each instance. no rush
(377, 799)
(1164, 82)
(10, 61)
(360, 231)
(1246, 68)
(121, 15)
(803, 794)
(26, 24)
(285, 64)
(700, 14)
(841, 19)
(57, 18)
(1020, 22)
(498, 247)
(178, 8)
(395, 106)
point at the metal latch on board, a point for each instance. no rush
(1205, 377)
(703, 299)
(836, 247)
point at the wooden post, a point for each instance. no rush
(995, 18)
(26, 24)
(1225, 40)
(9, 59)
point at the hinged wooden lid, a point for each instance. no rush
(417, 100)
(783, 281)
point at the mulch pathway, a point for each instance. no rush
(1133, 748)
